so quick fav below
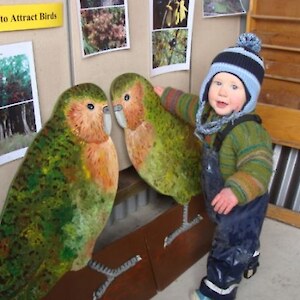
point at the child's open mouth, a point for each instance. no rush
(221, 104)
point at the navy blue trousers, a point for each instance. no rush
(236, 237)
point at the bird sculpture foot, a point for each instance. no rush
(111, 274)
(186, 225)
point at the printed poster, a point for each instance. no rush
(19, 106)
(31, 16)
(221, 8)
(171, 34)
(103, 26)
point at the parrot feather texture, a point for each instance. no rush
(161, 147)
(61, 197)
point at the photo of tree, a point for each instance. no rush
(104, 26)
(214, 8)
(19, 111)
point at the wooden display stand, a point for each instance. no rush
(159, 265)
(277, 23)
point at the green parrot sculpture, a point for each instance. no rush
(161, 147)
(60, 198)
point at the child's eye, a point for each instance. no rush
(234, 87)
(216, 82)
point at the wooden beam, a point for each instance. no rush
(275, 18)
(283, 78)
(282, 123)
(283, 215)
(278, 47)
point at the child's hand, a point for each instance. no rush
(159, 90)
(225, 201)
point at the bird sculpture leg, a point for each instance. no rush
(111, 274)
(186, 225)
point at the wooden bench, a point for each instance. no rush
(283, 124)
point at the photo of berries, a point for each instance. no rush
(169, 47)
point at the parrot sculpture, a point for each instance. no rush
(161, 147)
(61, 197)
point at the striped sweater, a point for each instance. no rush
(246, 153)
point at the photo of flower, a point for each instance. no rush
(103, 26)
(170, 13)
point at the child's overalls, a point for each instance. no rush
(235, 245)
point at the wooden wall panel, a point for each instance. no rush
(284, 64)
(277, 8)
(277, 23)
(282, 123)
(278, 26)
(280, 92)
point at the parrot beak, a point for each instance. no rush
(107, 123)
(119, 113)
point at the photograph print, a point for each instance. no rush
(219, 8)
(171, 31)
(19, 107)
(104, 26)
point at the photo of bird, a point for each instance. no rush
(61, 197)
(161, 147)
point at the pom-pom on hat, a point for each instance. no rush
(243, 61)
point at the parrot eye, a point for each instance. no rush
(126, 97)
(106, 110)
(90, 106)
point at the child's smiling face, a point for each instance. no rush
(226, 94)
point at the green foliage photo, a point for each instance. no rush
(169, 47)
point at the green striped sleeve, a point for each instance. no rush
(183, 105)
(247, 160)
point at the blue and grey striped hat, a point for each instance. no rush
(243, 61)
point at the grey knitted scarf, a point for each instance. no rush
(207, 128)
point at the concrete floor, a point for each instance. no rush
(278, 276)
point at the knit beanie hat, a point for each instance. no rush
(242, 61)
